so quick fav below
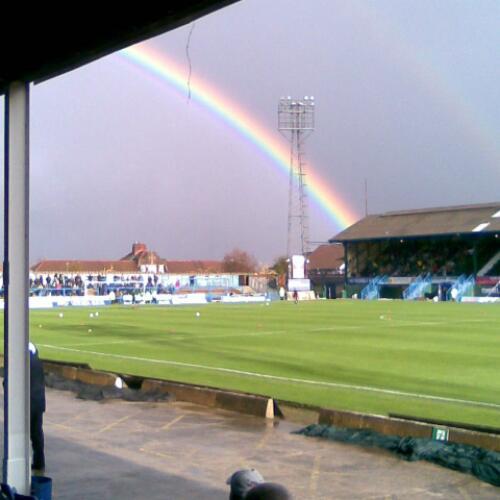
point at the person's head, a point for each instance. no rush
(243, 481)
(268, 491)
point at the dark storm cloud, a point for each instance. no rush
(406, 98)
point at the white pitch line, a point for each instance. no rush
(272, 332)
(277, 377)
(186, 336)
(111, 342)
(474, 320)
(398, 323)
(332, 328)
(223, 335)
(402, 322)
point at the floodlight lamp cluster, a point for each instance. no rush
(288, 101)
(296, 114)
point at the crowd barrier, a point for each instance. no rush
(228, 299)
(481, 300)
(191, 298)
(310, 295)
(160, 299)
(48, 302)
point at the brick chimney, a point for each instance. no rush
(137, 248)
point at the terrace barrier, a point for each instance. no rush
(462, 287)
(418, 288)
(262, 406)
(372, 290)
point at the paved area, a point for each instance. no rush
(120, 450)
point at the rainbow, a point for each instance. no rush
(168, 71)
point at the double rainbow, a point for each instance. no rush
(168, 71)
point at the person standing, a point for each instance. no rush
(37, 408)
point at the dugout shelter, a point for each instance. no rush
(434, 248)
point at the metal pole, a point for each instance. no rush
(290, 200)
(16, 460)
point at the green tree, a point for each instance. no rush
(280, 265)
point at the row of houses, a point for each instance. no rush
(140, 268)
(140, 260)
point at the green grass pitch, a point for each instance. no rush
(433, 360)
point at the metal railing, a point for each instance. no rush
(418, 288)
(372, 290)
(463, 286)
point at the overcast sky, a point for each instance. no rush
(407, 97)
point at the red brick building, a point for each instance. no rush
(140, 260)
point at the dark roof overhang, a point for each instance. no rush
(473, 221)
(43, 40)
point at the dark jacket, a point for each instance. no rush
(37, 384)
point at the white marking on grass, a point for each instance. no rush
(277, 377)
(403, 323)
(398, 323)
(331, 328)
(223, 335)
(110, 342)
(268, 332)
(476, 320)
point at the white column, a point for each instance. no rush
(16, 461)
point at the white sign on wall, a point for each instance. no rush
(298, 266)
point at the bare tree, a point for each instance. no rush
(239, 261)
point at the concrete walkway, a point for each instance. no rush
(118, 450)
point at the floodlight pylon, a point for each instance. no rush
(296, 123)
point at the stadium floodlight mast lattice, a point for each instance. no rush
(296, 123)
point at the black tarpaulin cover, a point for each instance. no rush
(483, 464)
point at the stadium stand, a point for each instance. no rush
(141, 276)
(449, 252)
